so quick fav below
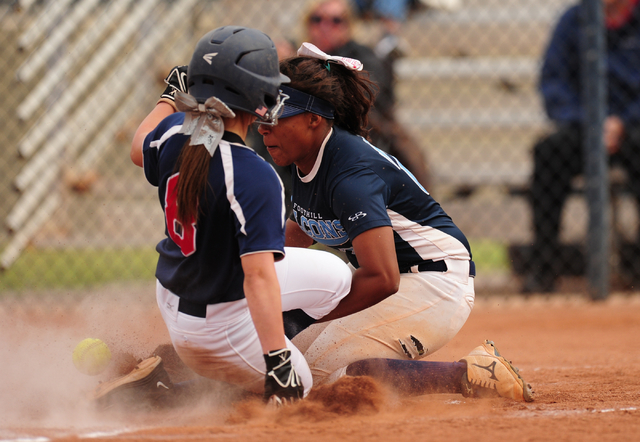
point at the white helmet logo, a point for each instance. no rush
(209, 57)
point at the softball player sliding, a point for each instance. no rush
(223, 275)
(413, 280)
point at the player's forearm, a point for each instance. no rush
(159, 113)
(266, 313)
(367, 289)
(377, 277)
(262, 290)
(295, 237)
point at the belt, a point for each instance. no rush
(200, 310)
(436, 266)
(192, 309)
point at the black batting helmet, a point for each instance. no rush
(239, 66)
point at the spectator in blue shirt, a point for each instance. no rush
(558, 157)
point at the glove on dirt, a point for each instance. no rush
(282, 384)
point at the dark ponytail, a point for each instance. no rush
(351, 93)
(193, 165)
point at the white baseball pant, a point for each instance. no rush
(225, 345)
(427, 312)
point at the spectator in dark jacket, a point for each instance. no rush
(329, 25)
(558, 157)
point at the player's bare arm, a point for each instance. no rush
(159, 113)
(262, 291)
(295, 237)
(378, 276)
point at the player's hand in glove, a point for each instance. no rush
(176, 81)
(282, 384)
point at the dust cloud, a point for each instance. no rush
(43, 393)
(38, 332)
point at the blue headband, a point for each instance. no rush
(299, 102)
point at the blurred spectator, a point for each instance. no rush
(329, 26)
(392, 14)
(558, 157)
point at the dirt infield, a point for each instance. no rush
(582, 358)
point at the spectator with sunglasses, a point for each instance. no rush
(329, 26)
(392, 14)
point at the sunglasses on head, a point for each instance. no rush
(317, 19)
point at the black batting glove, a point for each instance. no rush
(282, 384)
(176, 81)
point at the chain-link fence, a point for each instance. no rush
(78, 76)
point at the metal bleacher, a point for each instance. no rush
(479, 114)
(480, 79)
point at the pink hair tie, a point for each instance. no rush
(309, 50)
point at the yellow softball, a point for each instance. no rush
(91, 356)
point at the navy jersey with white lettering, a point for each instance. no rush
(355, 186)
(241, 213)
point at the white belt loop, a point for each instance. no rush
(458, 269)
(414, 269)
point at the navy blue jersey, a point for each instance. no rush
(355, 186)
(241, 213)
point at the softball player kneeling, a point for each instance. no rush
(413, 279)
